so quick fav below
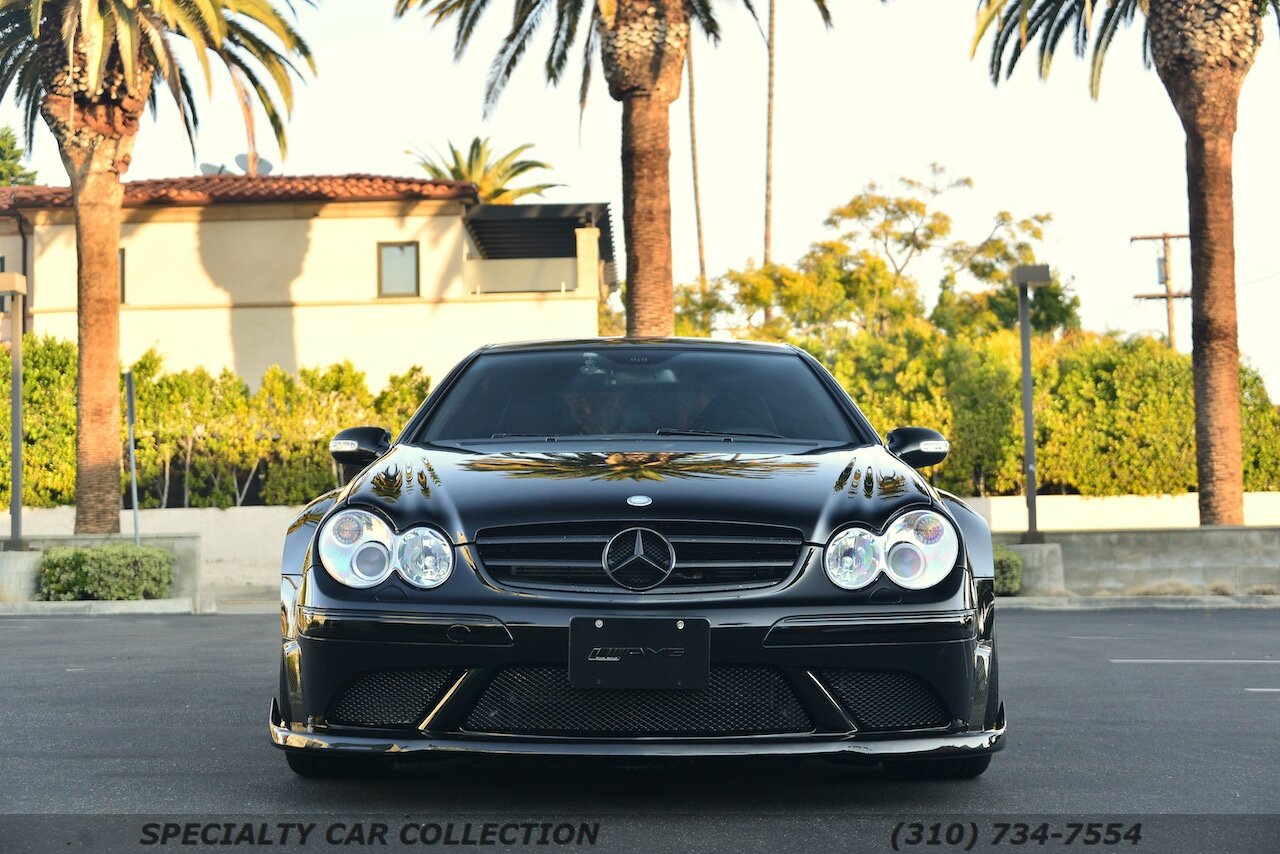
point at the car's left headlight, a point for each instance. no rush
(916, 552)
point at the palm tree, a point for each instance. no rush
(492, 177)
(697, 188)
(90, 68)
(642, 46)
(1202, 50)
(768, 139)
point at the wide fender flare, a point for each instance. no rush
(976, 534)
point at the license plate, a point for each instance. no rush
(612, 652)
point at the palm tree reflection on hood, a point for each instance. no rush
(636, 466)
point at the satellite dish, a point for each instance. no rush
(212, 169)
(264, 165)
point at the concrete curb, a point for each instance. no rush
(1111, 603)
(105, 607)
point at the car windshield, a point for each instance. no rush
(624, 391)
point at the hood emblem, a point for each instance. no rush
(639, 559)
(639, 501)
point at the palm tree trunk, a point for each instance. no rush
(97, 197)
(768, 144)
(1215, 353)
(646, 213)
(1202, 50)
(697, 187)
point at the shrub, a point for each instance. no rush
(118, 571)
(1008, 571)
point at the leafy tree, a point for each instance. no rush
(1054, 308)
(863, 279)
(12, 170)
(1202, 51)
(492, 174)
(1117, 418)
(301, 414)
(401, 398)
(982, 387)
(48, 421)
(89, 69)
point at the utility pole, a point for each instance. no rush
(1164, 276)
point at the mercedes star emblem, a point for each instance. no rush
(639, 501)
(639, 559)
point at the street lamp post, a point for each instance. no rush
(1027, 276)
(13, 286)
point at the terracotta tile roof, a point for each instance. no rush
(232, 189)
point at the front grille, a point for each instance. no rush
(739, 700)
(709, 555)
(885, 700)
(389, 698)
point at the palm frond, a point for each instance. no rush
(1050, 21)
(491, 176)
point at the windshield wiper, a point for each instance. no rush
(727, 435)
(545, 436)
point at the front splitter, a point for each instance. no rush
(915, 747)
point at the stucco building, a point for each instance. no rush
(303, 271)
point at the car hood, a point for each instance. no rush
(816, 492)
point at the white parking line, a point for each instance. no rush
(1195, 661)
(1264, 690)
(1095, 637)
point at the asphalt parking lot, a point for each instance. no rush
(1112, 712)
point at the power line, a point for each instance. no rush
(1164, 276)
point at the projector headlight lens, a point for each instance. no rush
(355, 548)
(918, 551)
(923, 547)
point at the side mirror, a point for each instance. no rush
(918, 447)
(359, 446)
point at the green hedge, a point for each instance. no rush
(206, 440)
(120, 571)
(1008, 571)
(203, 440)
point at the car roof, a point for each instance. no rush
(682, 343)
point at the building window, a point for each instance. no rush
(120, 274)
(397, 269)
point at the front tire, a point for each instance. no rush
(328, 766)
(938, 769)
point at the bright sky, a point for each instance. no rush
(886, 92)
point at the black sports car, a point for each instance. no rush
(639, 548)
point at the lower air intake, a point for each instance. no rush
(885, 700)
(389, 698)
(738, 700)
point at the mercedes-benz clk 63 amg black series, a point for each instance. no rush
(639, 548)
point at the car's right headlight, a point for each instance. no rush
(358, 549)
(355, 548)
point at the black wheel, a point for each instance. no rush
(938, 769)
(306, 764)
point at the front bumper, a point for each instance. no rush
(950, 651)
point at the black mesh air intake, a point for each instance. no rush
(739, 700)
(885, 700)
(389, 698)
